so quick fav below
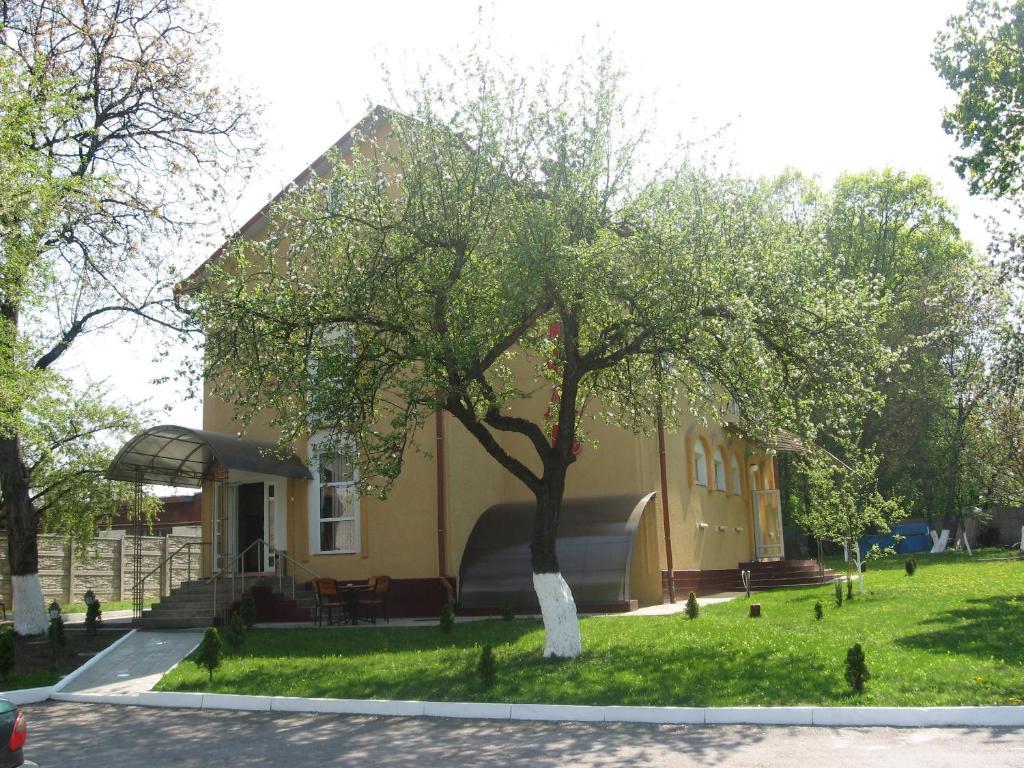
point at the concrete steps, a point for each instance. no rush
(203, 604)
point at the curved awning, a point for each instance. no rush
(595, 546)
(172, 455)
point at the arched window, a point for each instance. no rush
(333, 500)
(719, 471)
(737, 480)
(700, 463)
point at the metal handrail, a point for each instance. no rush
(141, 583)
(279, 554)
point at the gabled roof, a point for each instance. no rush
(257, 224)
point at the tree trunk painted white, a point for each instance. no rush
(860, 569)
(30, 617)
(561, 625)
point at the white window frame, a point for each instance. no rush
(719, 466)
(315, 520)
(700, 463)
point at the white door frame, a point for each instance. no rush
(275, 512)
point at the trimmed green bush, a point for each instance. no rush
(55, 634)
(447, 620)
(248, 610)
(92, 616)
(692, 606)
(849, 589)
(486, 668)
(856, 668)
(234, 634)
(839, 593)
(910, 566)
(210, 650)
(508, 613)
(6, 653)
(819, 612)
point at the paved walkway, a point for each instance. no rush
(136, 664)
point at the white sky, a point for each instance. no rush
(824, 87)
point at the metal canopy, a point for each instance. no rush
(595, 547)
(172, 455)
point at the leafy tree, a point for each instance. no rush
(508, 239)
(894, 230)
(117, 141)
(844, 500)
(979, 57)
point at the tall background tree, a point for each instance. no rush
(980, 56)
(504, 238)
(125, 141)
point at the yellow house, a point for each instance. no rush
(644, 516)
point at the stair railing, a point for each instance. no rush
(235, 570)
(169, 561)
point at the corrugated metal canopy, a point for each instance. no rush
(172, 455)
(595, 546)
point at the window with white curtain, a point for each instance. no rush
(334, 501)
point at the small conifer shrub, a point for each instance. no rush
(692, 607)
(447, 620)
(234, 634)
(6, 653)
(248, 610)
(849, 589)
(487, 668)
(508, 613)
(856, 669)
(839, 593)
(910, 565)
(209, 652)
(819, 612)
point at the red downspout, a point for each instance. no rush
(664, 509)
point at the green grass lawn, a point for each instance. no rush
(107, 605)
(949, 635)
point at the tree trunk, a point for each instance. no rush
(22, 541)
(557, 607)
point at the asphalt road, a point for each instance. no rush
(71, 735)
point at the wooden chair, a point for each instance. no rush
(374, 601)
(327, 599)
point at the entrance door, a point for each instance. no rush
(250, 526)
(768, 524)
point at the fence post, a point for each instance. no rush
(164, 579)
(71, 571)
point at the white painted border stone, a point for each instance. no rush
(673, 715)
(920, 717)
(236, 701)
(759, 715)
(177, 699)
(97, 698)
(20, 696)
(469, 709)
(577, 713)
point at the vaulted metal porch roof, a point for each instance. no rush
(173, 455)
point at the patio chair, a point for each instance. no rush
(374, 602)
(327, 599)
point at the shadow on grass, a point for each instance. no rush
(988, 627)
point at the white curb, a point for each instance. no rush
(20, 696)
